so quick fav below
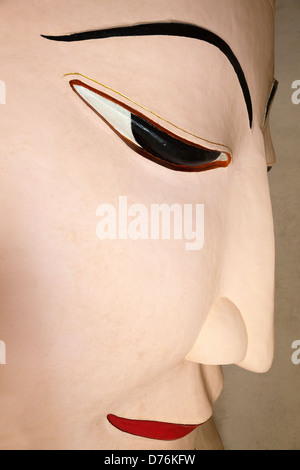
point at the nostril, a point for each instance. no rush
(223, 338)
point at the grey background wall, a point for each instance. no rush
(262, 411)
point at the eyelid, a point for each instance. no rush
(75, 82)
(146, 109)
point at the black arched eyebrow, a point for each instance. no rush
(168, 29)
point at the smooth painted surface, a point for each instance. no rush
(96, 327)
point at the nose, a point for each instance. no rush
(239, 326)
(248, 269)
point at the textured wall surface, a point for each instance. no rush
(262, 411)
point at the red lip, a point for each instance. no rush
(152, 429)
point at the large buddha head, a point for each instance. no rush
(131, 106)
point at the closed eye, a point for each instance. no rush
(147, 138)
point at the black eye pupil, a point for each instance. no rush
(162, 145)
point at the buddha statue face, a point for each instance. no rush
(114, 109)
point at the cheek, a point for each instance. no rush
(148, 299)
(155, 294)
(145, 303)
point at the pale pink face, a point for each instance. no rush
(117, 314)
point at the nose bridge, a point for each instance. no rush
(247, 272)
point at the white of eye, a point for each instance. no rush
(222, 158)
(117, 116)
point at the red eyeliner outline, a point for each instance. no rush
(159, 430)
(140, 150)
